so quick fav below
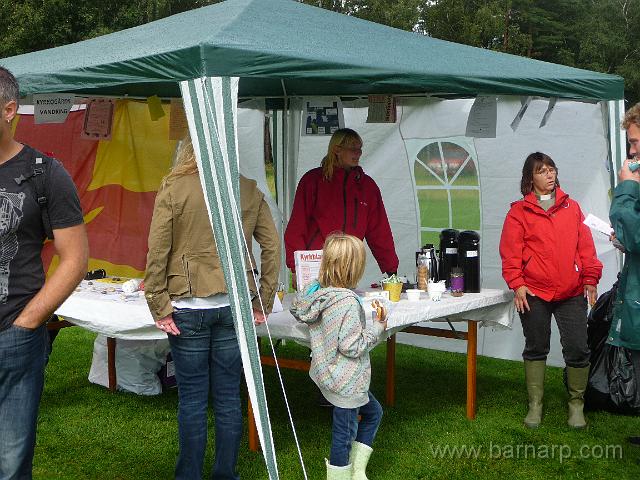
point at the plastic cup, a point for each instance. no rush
(394, 289)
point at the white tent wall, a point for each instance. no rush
(575, 136)
(251, 116)
(251, 142)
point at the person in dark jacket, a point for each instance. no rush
(339, 196)
(549, 261)
(625, 220)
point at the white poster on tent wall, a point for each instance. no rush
(482, 118)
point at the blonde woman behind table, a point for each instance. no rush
(339, 196)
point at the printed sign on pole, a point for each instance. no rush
(382, 109)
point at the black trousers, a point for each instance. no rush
(571, 317)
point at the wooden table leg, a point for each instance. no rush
(254, 444)
(111, 363)
(391, 370)
(472, 353)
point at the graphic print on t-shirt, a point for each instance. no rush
(10, 216)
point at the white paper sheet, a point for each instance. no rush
(598, 224)
(482, 118)
(307, 266)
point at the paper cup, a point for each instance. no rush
(394, 289)
(435, 296)
(413, 294)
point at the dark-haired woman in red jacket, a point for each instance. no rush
(549, 261)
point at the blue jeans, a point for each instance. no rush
(207, 361)
(23, 355)
(346, 429)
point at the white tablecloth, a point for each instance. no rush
(110, 313)
(490, 307)
(115, 315)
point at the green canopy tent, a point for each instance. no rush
(278, 48)
(282, 46)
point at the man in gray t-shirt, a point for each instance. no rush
(26, 299)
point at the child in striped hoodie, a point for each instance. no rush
(340, 344)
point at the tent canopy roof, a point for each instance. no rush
(282, 45)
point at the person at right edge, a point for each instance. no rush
(625, 220)
(549, 261)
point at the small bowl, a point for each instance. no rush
(413, 294)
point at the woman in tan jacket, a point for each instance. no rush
(188, 298)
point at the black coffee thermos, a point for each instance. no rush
(448, 254)
(469, 259)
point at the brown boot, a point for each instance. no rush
(534, 378)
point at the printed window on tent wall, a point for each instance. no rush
(447, 189)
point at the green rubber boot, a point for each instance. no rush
(534, 378)
(359, 457)
(577, 379)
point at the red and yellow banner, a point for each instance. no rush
(117, 180)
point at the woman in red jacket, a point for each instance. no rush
(339, 196)
(550, 262)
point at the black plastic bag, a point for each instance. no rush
(613, 381)
(599, 321)
(615, 371)
(623, 379)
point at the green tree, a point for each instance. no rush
(599, 35)
(610, 42)
(403, 14)
(485, 24)
(38, 24)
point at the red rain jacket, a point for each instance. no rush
(552, 252)
(350, 202)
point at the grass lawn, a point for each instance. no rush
(85, 432)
